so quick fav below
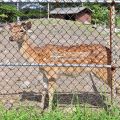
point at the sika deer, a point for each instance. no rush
(54, 54)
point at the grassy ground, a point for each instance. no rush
(77, 114)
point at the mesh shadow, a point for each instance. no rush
(82, 98)
(30, 96)
(94, 99)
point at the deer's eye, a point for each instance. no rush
(21, 30)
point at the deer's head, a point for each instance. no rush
(18, 31)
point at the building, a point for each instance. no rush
(82, 14)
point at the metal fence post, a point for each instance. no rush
(112, 30)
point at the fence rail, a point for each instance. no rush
(60, 65)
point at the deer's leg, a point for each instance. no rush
(44, 81)
(52, 75)
(115, 84)
(106, 74)
(51, 89)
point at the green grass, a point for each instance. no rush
(118, 22)
(24, 113)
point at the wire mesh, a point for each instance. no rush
(69, 52)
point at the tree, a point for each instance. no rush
(8, 13)
(100, 13)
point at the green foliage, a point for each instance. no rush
(27, 13)
(118, 21)
(8, 13)
(100, 13)
(3, 16)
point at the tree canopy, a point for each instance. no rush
(8, 13)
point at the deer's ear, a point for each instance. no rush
(27, 25)
(23, 24)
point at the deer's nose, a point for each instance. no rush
(11, 38)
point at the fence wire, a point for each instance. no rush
(68, 54)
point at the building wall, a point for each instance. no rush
(83, 17)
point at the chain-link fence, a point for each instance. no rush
(59, 54)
